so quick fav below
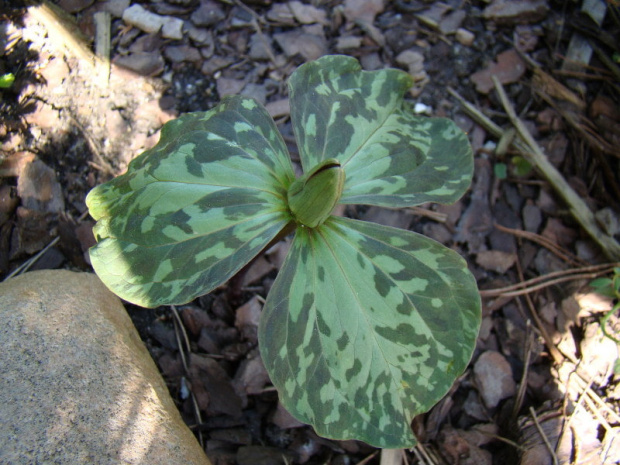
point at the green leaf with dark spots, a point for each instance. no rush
(391, 157)
(367, 326)
(193, 210)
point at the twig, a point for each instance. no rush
(549, 89)
(497, 437)
(94, 147)
(103, 21)
(553, 350)
(579, 404)
(433, 215)
(547, 243)
(596, 398)
(529, 289)
(55, 21)
(32, 260)
(529, 343)
(365, 460)
(577, 206)
(422, 450)
(550, 279)
(179, 329)
(544, 436)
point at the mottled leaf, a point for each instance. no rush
(367, 326)
(390, 156)
(193, 210)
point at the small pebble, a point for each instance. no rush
(464, 37)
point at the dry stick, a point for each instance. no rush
(55, 21)
(568, 424)
(368, 459)
(577, 206)
(553, 350)
(32, 260)
(433, 215)
(27, 264)
(609, 444)
(103, 22)
(596, 398)
(544, 437)
(529, 343)
(584, 213)
(415, 452)
(547, 243)
(421, 450)
(529, 290)
(555, 277)
(182, 348)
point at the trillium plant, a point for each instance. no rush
(365, 326)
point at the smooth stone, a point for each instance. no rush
(77, 384)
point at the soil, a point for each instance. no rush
(542, 372)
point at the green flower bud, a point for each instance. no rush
(312, 197)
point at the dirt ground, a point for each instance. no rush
(541, 387)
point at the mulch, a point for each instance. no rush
(541, 387)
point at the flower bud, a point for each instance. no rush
(312, 197)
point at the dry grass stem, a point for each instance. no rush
(544, 437)
(550, 279)
(543, 241)
(529, 347)
(368, 459)
(576, 204)
(184, 346)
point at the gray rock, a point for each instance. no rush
(179, 53)
(115, 7)
(143, 63)
(511, 12)
(494, 379)
(309, 46)
(39, 189)
(76, 382)
(172, 28)
(137, 16)
(208, 14)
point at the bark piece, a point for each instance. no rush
(494, 379)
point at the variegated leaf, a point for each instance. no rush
(193, 210)
(367, 326)
(390, 156)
